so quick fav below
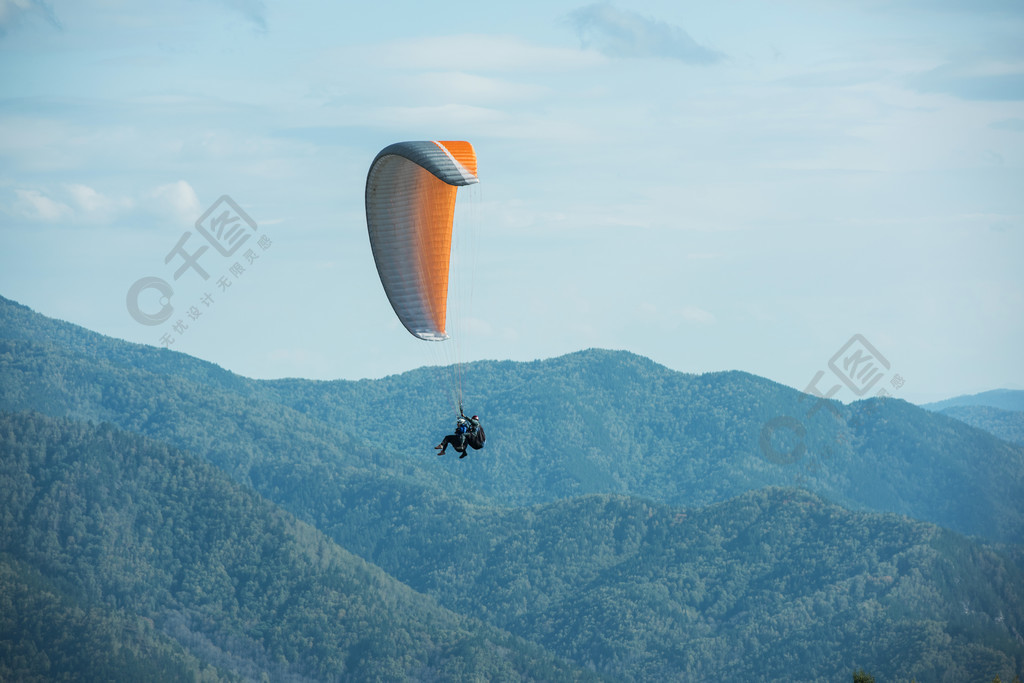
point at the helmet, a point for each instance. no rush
(476, 417)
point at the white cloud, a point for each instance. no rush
(76, 203)
(620, 33)
(35, 205)
(95, 206)
(177, 199)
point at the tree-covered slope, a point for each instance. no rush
(582, 528)
(773, 585)
(101, 528)
(590, 422)
(142, 550)
(999, 412)
(612, 422)
(1007, 425)
(48, 635)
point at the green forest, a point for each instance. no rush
(164, 519)
(1006, 424)
(160, 559)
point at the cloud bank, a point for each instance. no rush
(620, 33)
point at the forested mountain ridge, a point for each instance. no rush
(1007, 425)
(612, 422)
(121, 530)
(582, 527)
(62, 369)
(189, 573)
(773, 585)
(589, 422)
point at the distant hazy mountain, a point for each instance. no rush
(643, 523)
(999, 412)
(1004, 399)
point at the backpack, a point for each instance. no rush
(477, 438)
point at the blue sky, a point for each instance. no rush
(744, 186)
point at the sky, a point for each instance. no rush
(766, 187)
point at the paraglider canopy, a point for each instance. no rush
(410, 209)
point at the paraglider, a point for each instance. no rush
(468, 433)
(410, 209)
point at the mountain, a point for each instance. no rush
(590, 422)
(1004, 399)
(125, 558)
(1007, 425)
(773, 585)
(612, 422)
(999, 412)
(46, 634)
(642, 523)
